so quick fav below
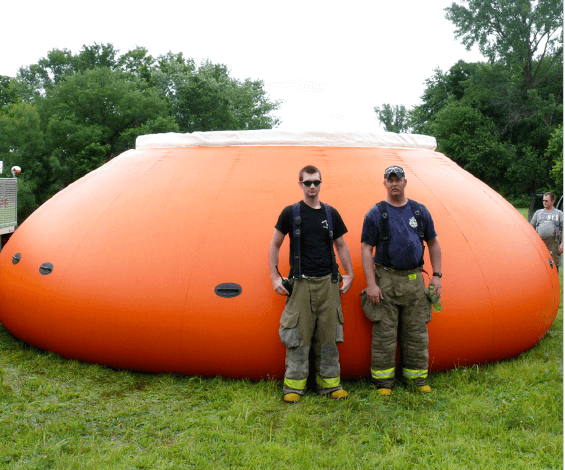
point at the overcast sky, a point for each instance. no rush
(329, 63)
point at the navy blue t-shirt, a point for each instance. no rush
(405, 249)
(315, 248)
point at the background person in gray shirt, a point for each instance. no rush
(548, 222)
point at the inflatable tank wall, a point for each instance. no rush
(158, 260)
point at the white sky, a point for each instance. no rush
(331, 64)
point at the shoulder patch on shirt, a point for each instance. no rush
(413, 223)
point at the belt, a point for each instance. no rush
(303, 276)
(400, 272)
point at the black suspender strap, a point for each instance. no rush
(329, 219)
(416, 208)
(385, 234)
(296, 222)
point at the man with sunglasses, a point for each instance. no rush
(312, 316)
(548, 222)
(395, 298)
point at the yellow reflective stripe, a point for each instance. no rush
(295, 384)
(382, 374)
(327, 383)
(415, 373)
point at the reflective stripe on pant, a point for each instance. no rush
(295, 384)
(382, 374)
(412, 374)
(312, 318)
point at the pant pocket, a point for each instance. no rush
(339, 327)
(426, 308)
(372, 311)
(288, 332)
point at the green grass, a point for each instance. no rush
(62, 414)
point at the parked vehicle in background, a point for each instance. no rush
(8, 204)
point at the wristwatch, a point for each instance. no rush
(437, 275)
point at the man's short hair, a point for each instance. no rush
(551, 196)
(310, 170)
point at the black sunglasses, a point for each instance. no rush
(309, 184)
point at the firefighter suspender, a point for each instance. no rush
(296, 223)
(331, 234)
(385, 230)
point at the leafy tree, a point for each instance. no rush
(48, 71)
(8, 91)
(137, 62)
(208, 99)
(171, 65)
(521, 116)
(158, 125)
(555, 154)
(525, 173)
(91, 116)
(517, 32)
(61, 63)
(496, 118)
(97, 55)
(70, 113)
(441, 88)
(27, 200)
(472, 141)
(22, 143)
(395, 118)
(251, 107)
(200, 103)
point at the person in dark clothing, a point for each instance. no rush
(312, 316)
(392, 251)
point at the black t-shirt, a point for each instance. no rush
(315, 249)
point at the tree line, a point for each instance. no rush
(502, 119)
(70, 113)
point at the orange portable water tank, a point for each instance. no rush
(158, 260)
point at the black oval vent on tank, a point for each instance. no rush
(228, 289)
(46, 268)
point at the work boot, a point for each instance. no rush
(291, 398)
(339, 394)
(425, 389)
(385, 392)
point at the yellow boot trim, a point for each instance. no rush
(339, 394)
(291, 398)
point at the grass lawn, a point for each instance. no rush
(62, 414)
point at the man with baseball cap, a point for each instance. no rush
(392, 253)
